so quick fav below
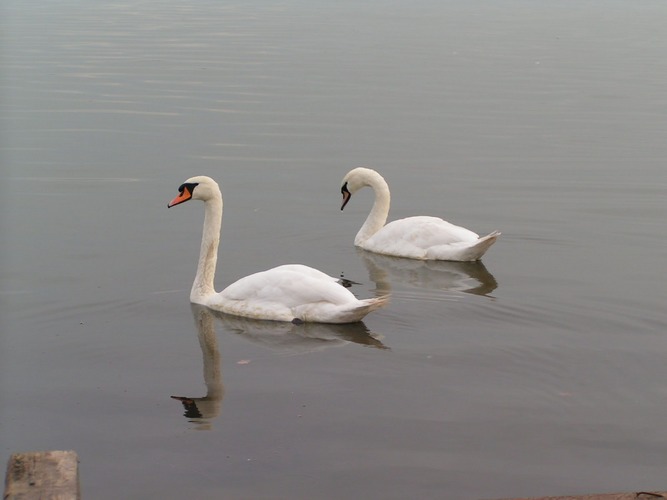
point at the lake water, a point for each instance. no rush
(540, 371)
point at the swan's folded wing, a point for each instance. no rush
(286, 294)
(413, 236)
(289, 287)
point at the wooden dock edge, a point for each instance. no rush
(43, 475)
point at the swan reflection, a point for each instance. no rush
(297, 338)
(203, 410)
(286, 338)
(465, 277)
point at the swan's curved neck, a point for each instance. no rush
(208, 255)
(378, 216)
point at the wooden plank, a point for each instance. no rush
(43, 475)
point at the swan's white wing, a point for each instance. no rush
(307, 271)
(413, 236)
(292, 291)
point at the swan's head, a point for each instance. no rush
(357, 178)
(196, 188)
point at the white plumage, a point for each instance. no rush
(285, 293)
(421, 237)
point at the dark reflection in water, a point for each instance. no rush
(294, 338)
(465, 277)
(203, 410)
(277, 335)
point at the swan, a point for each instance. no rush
(291, 292)
(422, 237)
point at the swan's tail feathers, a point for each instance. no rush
(492, 237)
(482, 245)
(463, 251)
(365, 306)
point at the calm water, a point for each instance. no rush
(540, 371)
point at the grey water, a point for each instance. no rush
(539, 371)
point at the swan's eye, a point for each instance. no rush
(344, 189)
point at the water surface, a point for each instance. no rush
(537, 372)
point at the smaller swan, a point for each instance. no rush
(285, 293)
(422, 237)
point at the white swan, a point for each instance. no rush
(425, 238)
(285, 293)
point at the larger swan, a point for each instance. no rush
(422, 237)
(285, 293)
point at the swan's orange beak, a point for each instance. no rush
(184, 196)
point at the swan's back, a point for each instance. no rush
(413, 236)
(290, 292)
(290, 284)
